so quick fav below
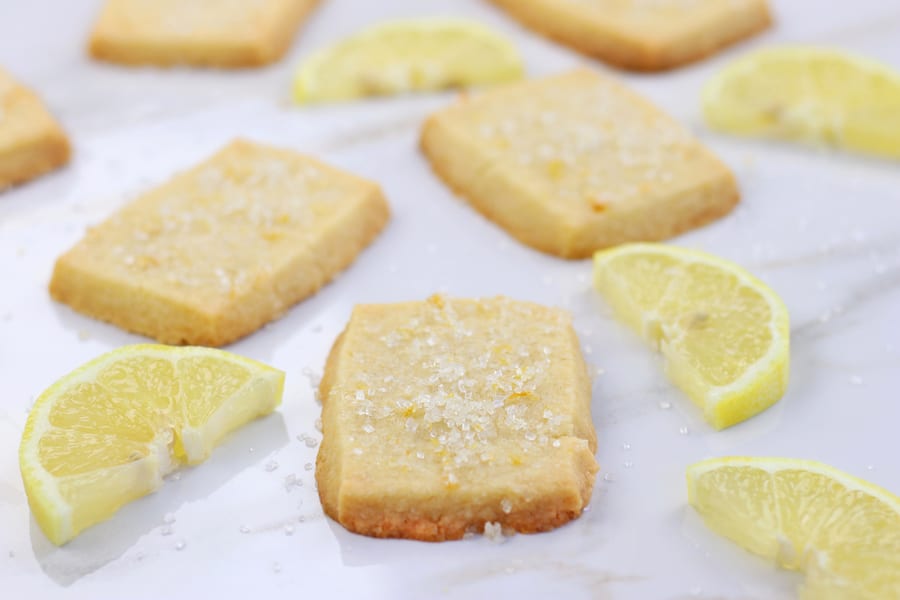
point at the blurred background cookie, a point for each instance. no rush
(216, 33)
(31, 141)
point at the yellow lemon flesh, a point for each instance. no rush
(813, 95)
(407, 56)
(723, 333)
(107, 433)
(842, 531)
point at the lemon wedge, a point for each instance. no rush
(724, 334)
(107, 433)
(813, 95)
(407, 56)
(842, 531)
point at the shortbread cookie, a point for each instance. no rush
(448, 416)
(31, 141)
(220, 250)
(577, 162)
(643, 35)
(219, 33)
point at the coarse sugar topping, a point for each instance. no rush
(472, 384)
(585, 140)
(222, 226)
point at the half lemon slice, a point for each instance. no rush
(407, 56)
(723, 333)
(107, 433)
(842, 531)
(813, 95)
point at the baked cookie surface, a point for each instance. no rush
(441, 417)
(221, 249)
(643, 35)
(576, 162)
(218, 33)
(31, 141)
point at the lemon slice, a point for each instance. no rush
(407, 56)
(723, 333)
(842, 531)
(106, 433)
(814, 95)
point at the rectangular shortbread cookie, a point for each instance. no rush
(222, 249)
(443, 416)
(643, 35)
(219, 33)
(577, 162)
(31, 141)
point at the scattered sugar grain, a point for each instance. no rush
(309, 440)
(291, 481)
(312, 376)
(494, 532)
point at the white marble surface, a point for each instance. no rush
(822, 228)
